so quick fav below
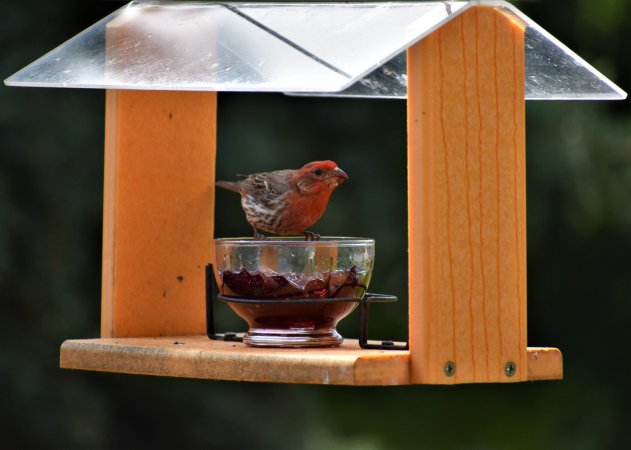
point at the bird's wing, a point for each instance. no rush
(268, 186)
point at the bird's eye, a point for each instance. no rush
(318, 172)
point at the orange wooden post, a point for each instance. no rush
(467, 201)
(158, 211)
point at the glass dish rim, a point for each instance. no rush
(294, 241)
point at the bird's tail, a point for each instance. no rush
(229, 185)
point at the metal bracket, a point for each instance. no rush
(211, 294)
(363, 329)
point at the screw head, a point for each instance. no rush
(510, 369)
(449, 368)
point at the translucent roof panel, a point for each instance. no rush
(335, 49)
(554, 72)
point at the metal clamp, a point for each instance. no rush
(369, 298)
(211, 294)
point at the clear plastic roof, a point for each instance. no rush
(332, 49)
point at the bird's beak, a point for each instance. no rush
(337, 176)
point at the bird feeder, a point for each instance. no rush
(464, 68)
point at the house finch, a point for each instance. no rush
(287, 202)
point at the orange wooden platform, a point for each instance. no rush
(200, 357)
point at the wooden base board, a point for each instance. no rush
(200, 357)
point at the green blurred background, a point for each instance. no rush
(579, 280)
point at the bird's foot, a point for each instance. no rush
(311, 236)
(258, 236)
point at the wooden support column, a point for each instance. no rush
(158, 211)
(467, 201)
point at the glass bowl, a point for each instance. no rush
(292, 292)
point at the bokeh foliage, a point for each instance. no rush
(579, 242)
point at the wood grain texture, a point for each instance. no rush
(199, 357)
(158, 211)
(467, 204)
(544, 363)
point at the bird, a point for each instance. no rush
(287, 202)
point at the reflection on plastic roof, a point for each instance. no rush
(343, 49)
